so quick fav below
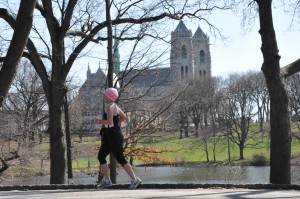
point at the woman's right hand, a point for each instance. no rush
(98, 120)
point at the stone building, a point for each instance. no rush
(89, 102)
(190, 54)
(189, 59)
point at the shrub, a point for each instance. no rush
(259, 160)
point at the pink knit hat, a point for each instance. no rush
(111, 93)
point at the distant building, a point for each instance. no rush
(189, 59)
(190, 54)
(90, 100)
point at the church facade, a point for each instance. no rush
(189, 59)
(190, 54)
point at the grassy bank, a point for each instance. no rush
(188, 150)
(192, 149)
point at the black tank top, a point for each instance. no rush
(115, 118)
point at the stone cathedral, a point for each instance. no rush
(190, 54)
(189, 59)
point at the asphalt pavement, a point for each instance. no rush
(152, 194)
(152, 191)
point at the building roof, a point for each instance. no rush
(149, 77)
(199, 33)
(181, 27)
(94, 80)
(90, 92)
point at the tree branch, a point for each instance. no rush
(4, 167)
(3, 161)
(96, 40)
(290, 69)
(52, 23)
(4, 14)
(41, 9)
(67, 19)
(85, 36)
(144, 20)
(102, 25)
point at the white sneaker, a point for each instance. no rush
(135, 183)
(104, 184)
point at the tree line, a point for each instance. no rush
(230, 106)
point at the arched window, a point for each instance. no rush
(204, 73)
(183, 52)
(182, 71)
(186, 71)
(200, 72)
(202, 59)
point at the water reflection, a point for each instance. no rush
(171, 175)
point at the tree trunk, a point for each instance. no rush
(206, 151)
(68, 139)
(57, 148)
(261, 124)
(214, 143)
(181, 132)
(16, 47)
(279, 107)
(228, 147)
(197, 129)
(241, 147)
(261, 118)
(186, 127)
(112, 165)
(214, 152)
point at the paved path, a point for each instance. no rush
(152, 191)
(152, 194)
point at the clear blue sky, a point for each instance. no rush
(242, 50)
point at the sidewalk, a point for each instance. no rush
(152, 191)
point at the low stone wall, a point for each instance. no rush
(155, 186)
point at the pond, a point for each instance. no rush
(173, 175)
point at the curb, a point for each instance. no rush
(154, 186)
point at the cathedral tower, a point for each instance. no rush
(201, 54)
(190, 55)
(181, 52)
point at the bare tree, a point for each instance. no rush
(27, 104)
(214, 98)
(76, 116)
(261, 97)
(195, 101)
(280, 153)
(275, 76)
(240, 110)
